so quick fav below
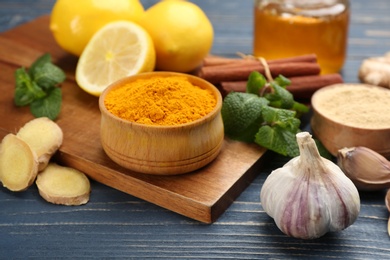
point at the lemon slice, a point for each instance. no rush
(117, 50)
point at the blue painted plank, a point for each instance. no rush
(114, 224)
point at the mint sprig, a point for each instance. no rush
(266, 114)
(242, 115)
(38, 87)
(278, 131)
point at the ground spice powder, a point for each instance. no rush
(158, 100)
(356, 105)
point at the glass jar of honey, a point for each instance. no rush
(286, 28)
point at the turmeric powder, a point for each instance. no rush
(158, 100)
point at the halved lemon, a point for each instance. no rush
(117, 50)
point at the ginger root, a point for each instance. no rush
(25, 158)
(63, 185)
(23, 155)
(18, 163)
(43, 136)
(376, 71)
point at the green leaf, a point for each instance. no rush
(41, 61)
(47, 75)
(26, 90)
(241, 114)
(282, 81)
(270, 121)
(279, 133)
(281, 97)
(255, 83)
(282, 117)
(49, 106)
(38, 87)
(278, 140)
(300, 108)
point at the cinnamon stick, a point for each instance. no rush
(223, 61)
(304, 87)
(217, 74)
(301, 87)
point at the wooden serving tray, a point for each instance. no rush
(201, 195)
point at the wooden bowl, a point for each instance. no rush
(162, 150)
(362, 119)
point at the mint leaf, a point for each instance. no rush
(268, 118)
(49, 106)
(41, 61)
(282, 117)
(255, 83)
(49, 76)
(300, 108)
(278, 140)
(241, 113)
(45, 73)
(26, 90)
(38, 87)
(279, 133)
(282, 81)
(281, 97)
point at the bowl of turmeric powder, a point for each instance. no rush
(161, 123)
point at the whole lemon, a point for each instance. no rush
(74, 23)
(181, 32)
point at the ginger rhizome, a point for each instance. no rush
(25, 157)
(63, 185)
(18, 163)
(43, 136)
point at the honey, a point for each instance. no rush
(287, 28)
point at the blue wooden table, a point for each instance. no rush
(117, 225)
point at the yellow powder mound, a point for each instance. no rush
(355, 105)
(160, 101)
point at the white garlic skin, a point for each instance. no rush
(310, 195)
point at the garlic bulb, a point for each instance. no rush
(368, 169)
(310, 195)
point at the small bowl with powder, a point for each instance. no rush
(349, 115)
(161, 123)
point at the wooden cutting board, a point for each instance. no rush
(201, 195)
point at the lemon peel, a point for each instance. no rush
(182, 34)
(119, 49)
(73, 25)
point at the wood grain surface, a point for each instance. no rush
(115, 225)
(202, 195)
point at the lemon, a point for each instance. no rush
(181, 32)
(117, 50)
(73, 23)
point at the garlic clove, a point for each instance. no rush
(310, 195)
(367, 169)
